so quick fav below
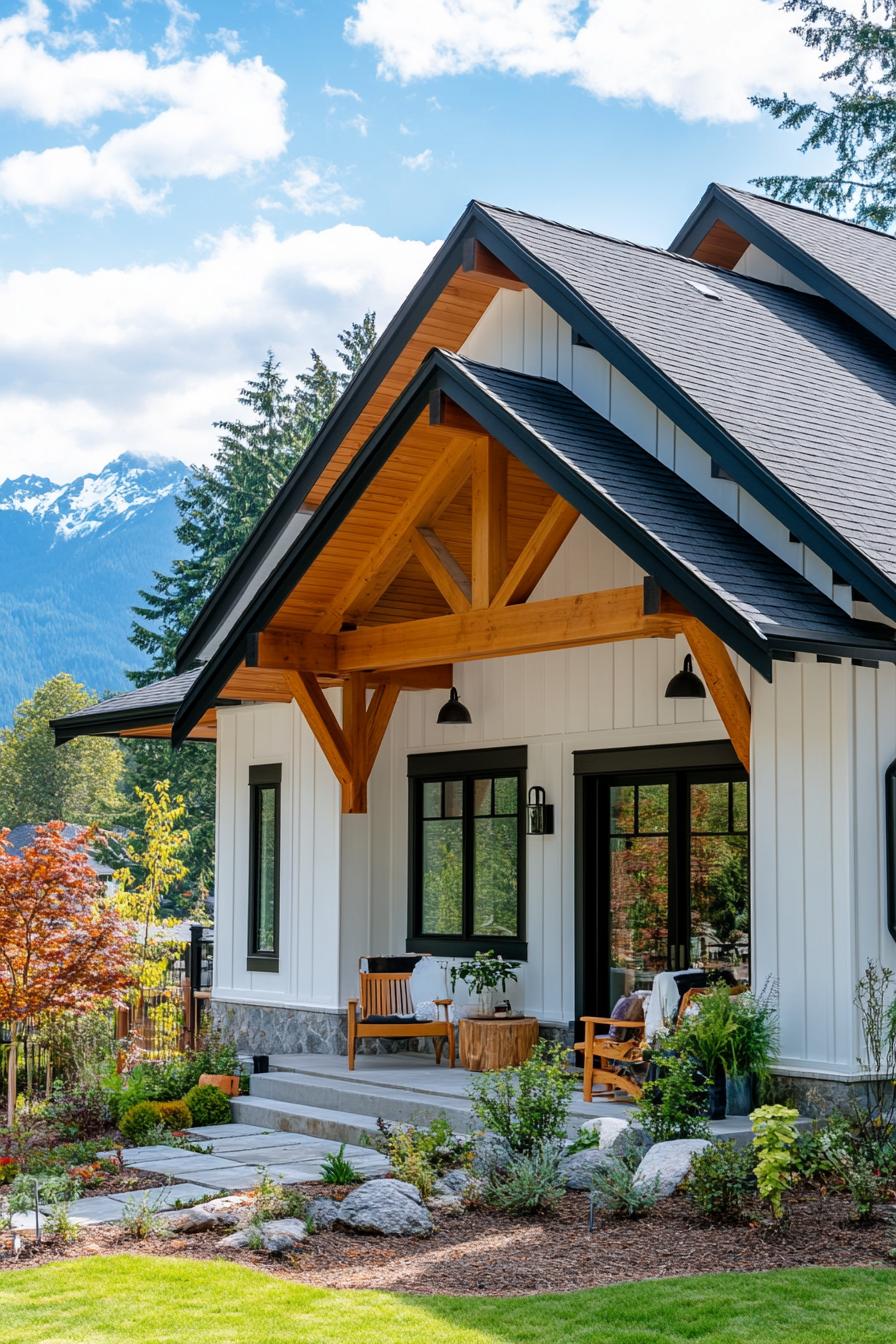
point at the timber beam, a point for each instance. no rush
(481, 264)
(720, 675)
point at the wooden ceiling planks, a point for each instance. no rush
(721, 246)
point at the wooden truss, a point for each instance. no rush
(490, 614)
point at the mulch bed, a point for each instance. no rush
(477, 1252)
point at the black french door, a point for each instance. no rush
(664, 871)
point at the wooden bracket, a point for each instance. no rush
(442, 568)
(724, 685)
(537, 554)
(481, 264)
(489, 539)
(446, 414)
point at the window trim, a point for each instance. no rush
(263, 777)
(890, 827)
(434, 767)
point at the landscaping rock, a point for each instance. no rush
(277, 1236)
(453, 1183)
(490, 1153)
(323, 1213)
(577, 1169)
(388, 1208)
(200, 1218)
(667, 1165)
(622, 1138)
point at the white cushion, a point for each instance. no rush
(428, 982)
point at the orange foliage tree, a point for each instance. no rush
(62, 945)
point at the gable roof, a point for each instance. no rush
(145, 707)
(23, 835)
(849, 264)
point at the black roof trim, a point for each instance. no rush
(145, 707)
(302, 478)
(718, 203)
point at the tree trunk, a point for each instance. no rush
(11, 1074)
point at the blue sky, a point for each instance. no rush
(183, 185)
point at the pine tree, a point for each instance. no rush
(218, 508)
(858, 121)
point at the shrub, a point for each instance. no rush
(60, 1224)
(53, 1187)
(139, 1122)
(721, 1182)
(171, 1079)
(673, 1105)
(141, 1218)
(530, 1182)
(527, 1105)
(613, 1189)
(175, 1114)
(275, 1200)
(774, 1140)
(420, 1156)
(336, 1169)
(78, 1115)
(208, 1105)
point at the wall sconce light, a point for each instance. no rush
(454, 710)
(686, 685)
(539, 814)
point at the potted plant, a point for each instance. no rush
(483, 975)
(752, 1048)
(707, 1034)
(228, 1083)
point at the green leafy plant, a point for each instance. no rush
(530, 1182)
(53, 1187)
(673, 1105)
(585, 1139)
(171, 1079)
(774, 1141)
(175, 1114)
(486, 970)
(613, 1189)
(421, 1155)
(840, 1154)
(142, 1218)
(528, 1105)
(753, 1046)
(336, 1169)
(60, 1224)
(139, 1123)
(709, 1031)
(873, 1116)
(208, 1105)
(273, 1199)
(722, 1181)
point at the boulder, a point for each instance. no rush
(200, 1218)
(490, 1153)
(387, 1208)
(323, 1213)
(577, 1169)
(278, 1235)
(666, 1165)
(622, 1138)
(453, 1183)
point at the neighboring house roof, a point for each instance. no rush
(850, 264)
(156, 703)
(20, 837)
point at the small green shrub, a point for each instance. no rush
(527, 1105)
(175, 1114)
(275, 1200)
(139, 1123)
(530, 1182)
(336, 1169)
(722, 1181)
(613, 1189)
(141, 1218)
(673, 1105)
(208, 1105)
(54, 1188)
(168, 1080)
(585, 1139)
(420, 1156)
(774, 1141)
(60, 1224)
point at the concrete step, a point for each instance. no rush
(316, 1121)
(409, 1105)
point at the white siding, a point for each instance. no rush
(758, 266)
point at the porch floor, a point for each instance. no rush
(388, 1084)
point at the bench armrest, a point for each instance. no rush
(636, 1025)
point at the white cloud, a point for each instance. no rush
(418, 163)
(313, 190)
(228, 39)
(146, 357)
(332, 91)
(178, 30)
(202, 118)
(701, 58)
(359, 124)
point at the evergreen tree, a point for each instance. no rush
(41, 782)
(857, 121)
(218, 508)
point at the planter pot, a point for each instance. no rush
(716, 1095)
(228, 1083)
(741, 1090)
(487, 999)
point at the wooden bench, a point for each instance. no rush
(387, 995)
(610, 1064)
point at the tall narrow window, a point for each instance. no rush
(467, 852)
(264, 867)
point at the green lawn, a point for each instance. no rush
(157, 1300)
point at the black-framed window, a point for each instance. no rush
(264, 867)
(467, 852)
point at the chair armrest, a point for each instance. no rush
(615, 1022)
(353, 1009)
(439, 1002)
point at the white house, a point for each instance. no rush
(568, 463)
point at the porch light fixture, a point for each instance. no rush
(539, 814)
(453, 710)
(686, 685)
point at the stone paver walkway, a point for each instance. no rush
(237, 1156)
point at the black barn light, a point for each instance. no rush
(686, 685)
(453, 710)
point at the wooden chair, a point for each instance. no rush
(385, 995)
(611, 1064)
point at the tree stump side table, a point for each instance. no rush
(496, 1042)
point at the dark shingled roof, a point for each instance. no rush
(862, 257)
(20, 837)
(807, 393)
(153, 704)
(773, 598)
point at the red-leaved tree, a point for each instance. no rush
(62, 946)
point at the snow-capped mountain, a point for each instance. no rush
(72, 560)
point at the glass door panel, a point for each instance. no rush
(720, 877)
(638, 885)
